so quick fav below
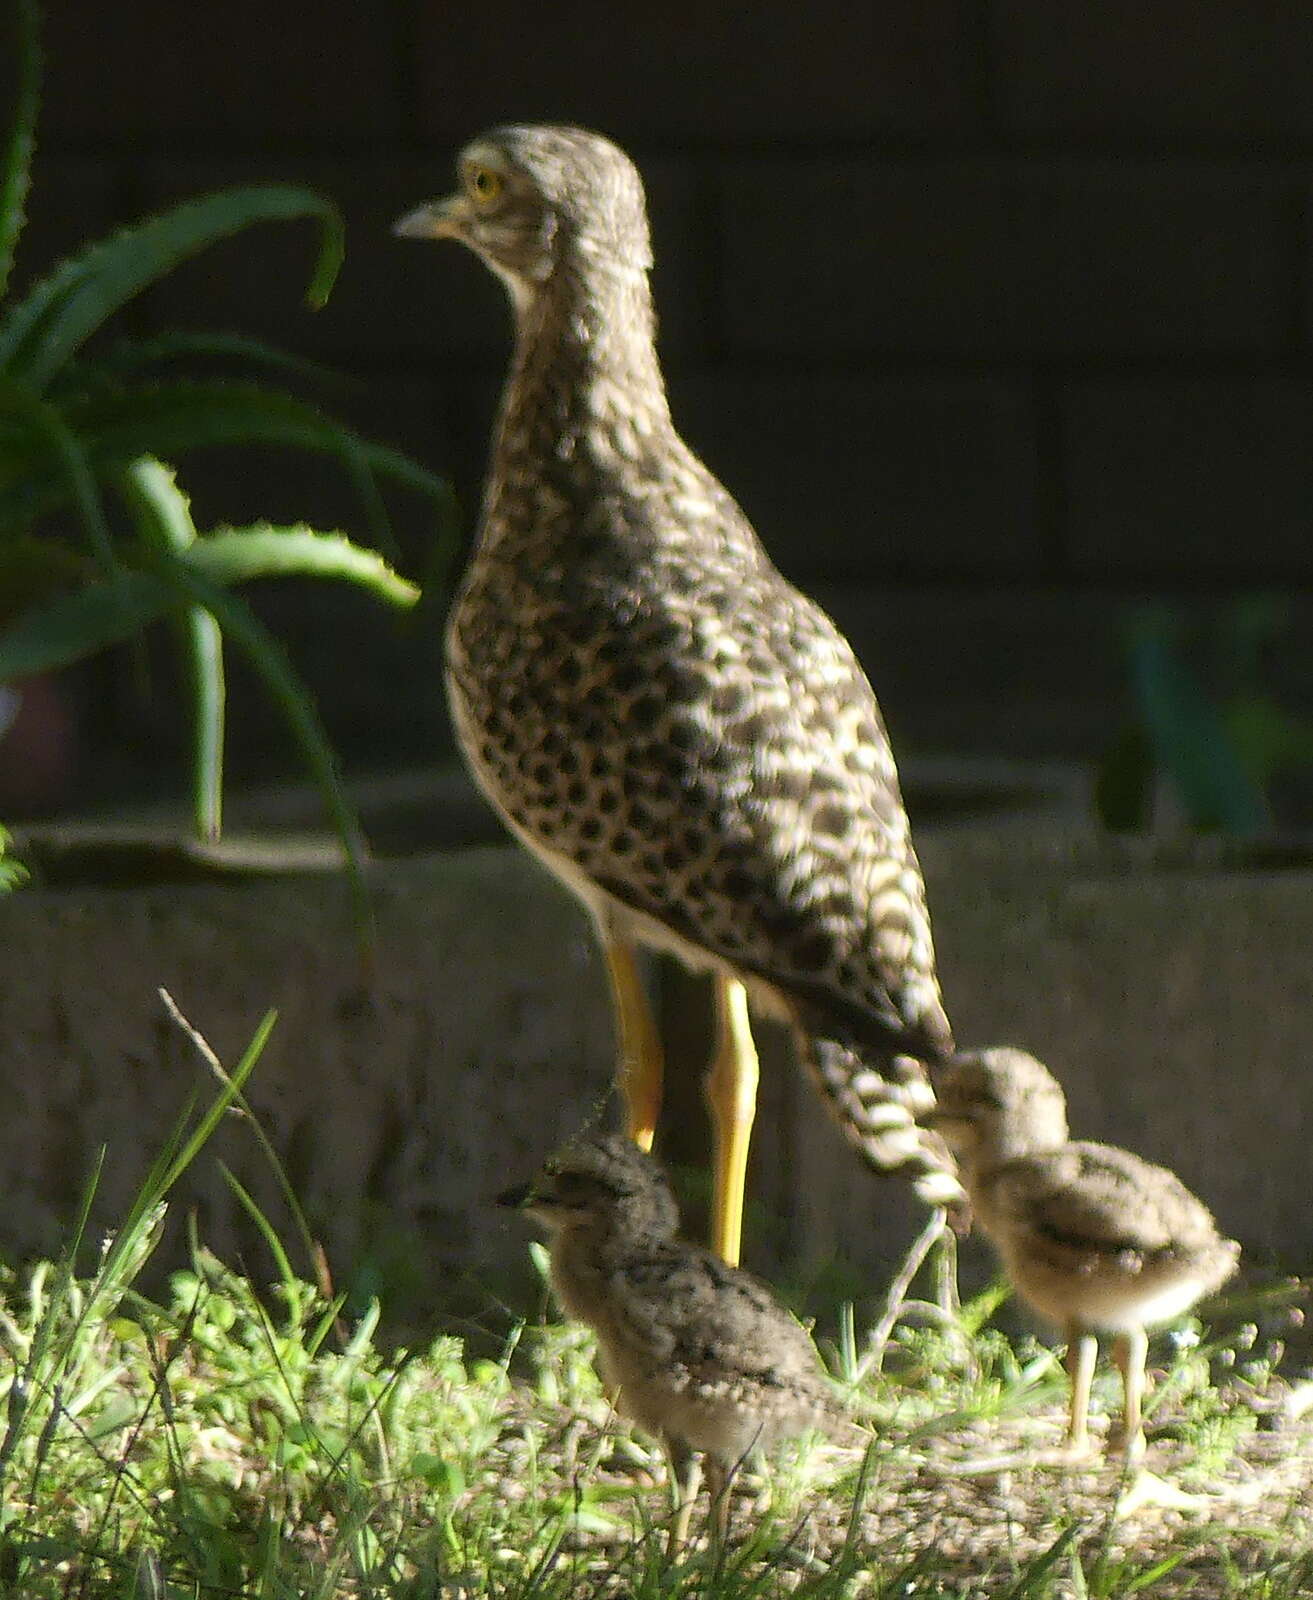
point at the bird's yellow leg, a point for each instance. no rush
(1129, 1351)
(731, 1089)
(685, 1478)
(642, 1064)
(1141, 1487)
(718, 1482)
(1082, 1348)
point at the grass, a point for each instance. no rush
(224, 1439)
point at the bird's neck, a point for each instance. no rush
(982, 1167)
(583, 1265)
(585, 385)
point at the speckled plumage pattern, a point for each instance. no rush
(697, 1352)
(1091, 1234)
(1096, 1239)
(687, 740)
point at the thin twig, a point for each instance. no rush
(315, 1253)
(873, 1360)
(205, 1050)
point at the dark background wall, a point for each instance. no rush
(993, 313)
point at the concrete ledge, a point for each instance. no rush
(1171, 994)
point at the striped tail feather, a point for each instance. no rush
(877, 1103)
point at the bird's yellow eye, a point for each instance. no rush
(484, 184)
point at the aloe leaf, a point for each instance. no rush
(240, 625)
(171, 419)
(234, 555)
(1189, 737)
(167, 418)
(371, 501)
(71, 626)
(203, 651)
(44, 330)
(70, 463)
(16, 171)
(32, 570)
(163, 516)
(128, 358)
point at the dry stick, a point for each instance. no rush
(241, 1108)
(873, 1360)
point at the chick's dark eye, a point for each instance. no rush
(485, 184)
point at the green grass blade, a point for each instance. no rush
(274, 1160)
(137, 1236)
(47, 328)
(266, 1228)
(1037, 1571)
(16, 169)
(163, 516)
(37, 1372)
(227, 1096)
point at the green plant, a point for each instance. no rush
(221, 1439)
(12, 872)
(96, 538)
(1203, 722)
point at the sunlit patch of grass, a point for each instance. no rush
(228, 1439)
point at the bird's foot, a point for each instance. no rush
(1020, 1461)
(1146, 1490)
(1128, 1448)
(1076, 1450)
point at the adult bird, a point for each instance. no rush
(682, 737)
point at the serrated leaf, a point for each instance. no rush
(170, 419)
(233, 555)
(243, 628)
(164, 521)
(32, 570)
(57, 317)
(16, 171)
(128, 358)
(70, 462)
(65, 629)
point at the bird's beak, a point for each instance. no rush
(518, 1197)
(438, 219)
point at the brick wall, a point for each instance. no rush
(992, 312)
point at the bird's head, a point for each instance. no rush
(996, 1104)
(534, 198)
(601, 1182)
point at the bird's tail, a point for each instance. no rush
(877, 1104)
